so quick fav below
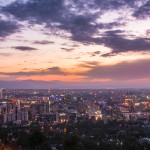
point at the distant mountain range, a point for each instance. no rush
(36, 84)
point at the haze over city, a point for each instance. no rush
(74, 44)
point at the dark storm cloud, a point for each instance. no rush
(48, 71)
(24, 48)
(83, 28)
(44, 42)
(57, 11)
(7, 28)
(79, 19)
(92, 54)
(68, 49)
(39, 11)
(54, 13)
(105, 4)
(121, 71)
(143, 11)
(108, 54)
(118, 43)
(115, 4)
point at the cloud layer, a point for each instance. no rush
(79, 18)
(122, 71)
(100, 29)
(7, 28)
(24, 48)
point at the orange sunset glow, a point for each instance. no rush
(74, 44)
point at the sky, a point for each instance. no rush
(74, 44)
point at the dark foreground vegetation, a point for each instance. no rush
(86, 135)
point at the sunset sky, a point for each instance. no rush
(74, 43)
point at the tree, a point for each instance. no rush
(72, 143)
(36, 139)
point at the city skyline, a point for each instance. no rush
(74, 44)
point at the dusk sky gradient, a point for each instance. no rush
(74, 44)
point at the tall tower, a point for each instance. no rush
(2, 93)
(16, 110)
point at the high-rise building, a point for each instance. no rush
(10, 111)
(47, 103)
(2, 93)
(67, 99)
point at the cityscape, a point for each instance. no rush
(76, 119)
(74, 75)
